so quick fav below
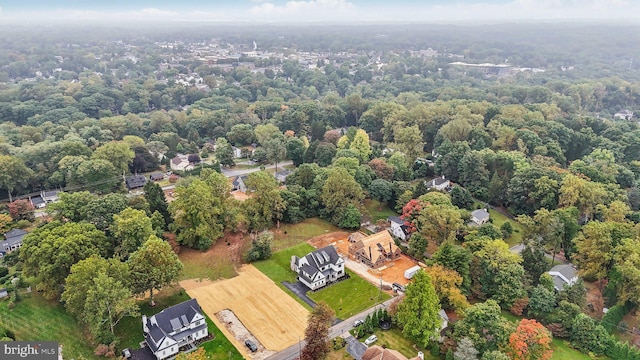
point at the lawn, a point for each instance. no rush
(349, 297)
(35, 318)
(130, 329)
(377, 211)
(498, 219)
(205, 265)
(292, 234)
(394, 339)
(277, 267)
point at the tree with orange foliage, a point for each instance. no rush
(530, 341)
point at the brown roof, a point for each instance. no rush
(377, 353)
(376, 241)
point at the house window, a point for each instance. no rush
(172, 349)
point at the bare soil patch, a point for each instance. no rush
(275, 319)
(240, 332)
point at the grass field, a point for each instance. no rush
(292, 234)
(35, 318)
(129, 330)
(394, 339)
(377, 211)
(198, 265)
(349, 297)
(499, 219)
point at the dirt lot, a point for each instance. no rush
(273, 317)
(239, 195)
(392, 272)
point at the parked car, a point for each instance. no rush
(358, 323)
(397, 287)
(251, 345)
(370, 340)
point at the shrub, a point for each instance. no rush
(3, 271)
(613, 317)
(519, 305)
(261, 249)
(338, 343)
(23, 224)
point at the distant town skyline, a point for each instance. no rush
(348, 11)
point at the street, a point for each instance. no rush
(339, 329)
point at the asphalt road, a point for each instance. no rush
(231, 173)
(339, 329)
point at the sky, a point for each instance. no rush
(295, 11)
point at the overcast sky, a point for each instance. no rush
(318, 10)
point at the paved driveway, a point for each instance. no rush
(355, 348)
(300, 290)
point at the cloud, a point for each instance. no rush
(154, 12)
(305, 10)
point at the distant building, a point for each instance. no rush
(624, 115)
(486, 68)
(398, 228)
(439, 183)
(480, 216)
(49, 196)
(281, 176)
(156, 177)
(135, 181)
(319, 268)
(174, 329)
(12, 241)
(38, 202)
(181, 163)
(238, 184)
(374, 250)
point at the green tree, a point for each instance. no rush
(594, 249)
(627, 263)
(587, 336)
(260, 247)
(461, 198)
(465, 350)
(418, 312)
(484, 325)
(276, 150)
(96, 292)
(13, 173)
(157, 201)
(117, 153)
(266, 132)
(439, 223)
(408, 140)
(202, 210)
(153, 266)
(339, 190)
(49, 251)
(266, 204)
(130, 228)
(324, 153)
(457, 258)
(100, 210)
(541, 302)
(224, 152)
(295, 150)
(350, 218)
(381, 190)
(316, 335)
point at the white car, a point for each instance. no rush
(358, 323)
(370, 340)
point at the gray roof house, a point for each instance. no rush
(12, 241)
(135, 181)
(563, 275)
(281, 176)
(398, 228)
(49, 196)
(38, 202)
(319, 268)
(480, 216)
(3, 293)
(238, 183)
(439, 183)
(174, 328)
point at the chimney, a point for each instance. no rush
(443, 177)
(421, 355)
(370, 258)
(144, 324)
(390, 250)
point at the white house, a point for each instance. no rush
(624, 115)
(237, 152)
(480, 216)
(173, 328)
(398, 228)
(439, 183)
(12, 241)
(181, 163)
(49, 196)
(319, 268)
(563, 275)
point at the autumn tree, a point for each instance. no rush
(153, 266)
(130, 228)
(360, 145)
(49, 251)
(530, 341)
(447, 285)
(97, 293)
(594, 249)
(21, 210)
(316, 335)
(627, 263)
(418, 313)
(456, 258)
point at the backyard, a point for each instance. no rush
(350, 297)
(35, 318)
(289, 235)
(129, 330)
(498, 219)
(378, 211)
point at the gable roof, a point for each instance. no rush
(567, 270)
(37, 200)
(396, 219)
(156, 176)
(316, 260)
(376, 352)
(15, 233)
(379, 243)
(52, 193)
(135, 181)
(171, 319)
(438, 181)
(480, 214)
